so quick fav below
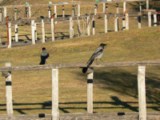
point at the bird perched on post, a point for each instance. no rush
(95, 56)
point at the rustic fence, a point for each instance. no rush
(7, 73)
(78, 24)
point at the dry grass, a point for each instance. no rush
(115, 89)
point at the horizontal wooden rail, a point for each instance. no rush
(80, 65)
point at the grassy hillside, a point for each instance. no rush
(115, 89)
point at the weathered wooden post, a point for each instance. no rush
(55, 95)
(127, 21)
(93, 26)
(90, 91)
(33, 31)
(95, 9)
(116, 24)
(139, 20)
(105, 23)
(88, 26)
(55, 11)
(4, 12)
(123, 23)
(15, 13)
(155, 19)
(49, 11)
(53, 27)
(149, 19)
(9, 99)
(71, 29)
(78, 10)
(16, 32)
(63, 11)
(9, 35)
(124, 6)
(43, 29)
(142, 93)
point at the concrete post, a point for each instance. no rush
(55, 93)
(9, 35)
(90, 92)
(16, 32)
(142, 93)
(33, 31)
(149, 19)
(9, 99)
(105, 23)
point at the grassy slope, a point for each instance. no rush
(115, 89)
(113, 86)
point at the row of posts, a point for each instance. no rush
(28, 12)
(89, 20)
(90, 75)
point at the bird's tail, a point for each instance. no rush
(84, 69)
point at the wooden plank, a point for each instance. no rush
(79, 65)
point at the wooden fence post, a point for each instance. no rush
(88, 26)
(124, 6)
(9, 102)
(73, 10)
(55, 93)
(149, 19)
(142, 93)
(55, 11)
(16, 32)
(63, 11)
(140, 7)
(95, 9)
(123, 23)
(117, 8)
(90, 92)
(139, 20)
(79, 10)
(9, 35)
(93, 26)
(104, 7)
(15, 13)
(43, 29)
(4, 12)
(147, 4)
(49, 11)
(105, 23)
(52, 27)
(33, 31)
(155, 19)
(29, 11)
(127, 21)
(116, 23)
(71, 30)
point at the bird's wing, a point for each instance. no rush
(94, 55)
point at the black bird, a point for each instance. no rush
(44, 55)
(96, 55)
